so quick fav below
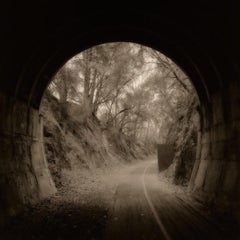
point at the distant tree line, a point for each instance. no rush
(130, 89)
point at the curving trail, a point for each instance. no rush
(129, 203)
(143, 209)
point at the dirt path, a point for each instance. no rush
(146, 208)
(126, 202)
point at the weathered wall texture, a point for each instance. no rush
(216, 174)
(24, 174)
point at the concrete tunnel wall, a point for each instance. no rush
(44, 39)
(216, 174)
(24, 174)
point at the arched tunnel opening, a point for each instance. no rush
(130, 101)
(214, 181)
(115, 118)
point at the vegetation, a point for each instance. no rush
(116, 102)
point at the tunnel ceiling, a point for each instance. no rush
(37, 39)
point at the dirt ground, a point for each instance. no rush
(85, 204)
(78, 211)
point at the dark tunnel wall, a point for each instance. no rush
(24, 174)
(38, 39)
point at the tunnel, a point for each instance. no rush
(36, 40)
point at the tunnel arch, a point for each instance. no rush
(52, 53)
(177, 50)
(216, 95)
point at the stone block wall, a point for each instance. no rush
(216, 174)
(24, 174)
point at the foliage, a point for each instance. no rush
(136, 96)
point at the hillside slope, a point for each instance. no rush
(74, 142)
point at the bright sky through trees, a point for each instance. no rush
(128, 87)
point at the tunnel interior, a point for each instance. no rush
(214, 72)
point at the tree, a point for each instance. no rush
(131, 88)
